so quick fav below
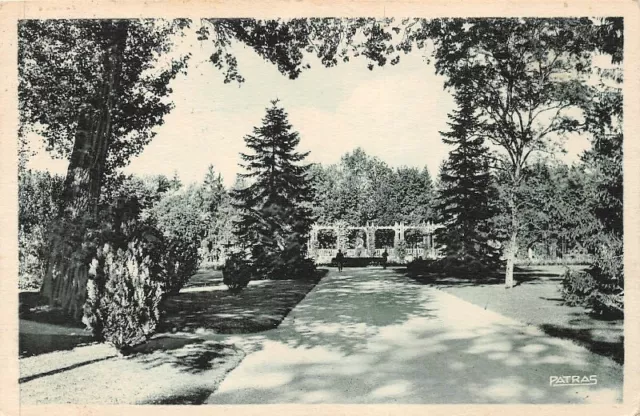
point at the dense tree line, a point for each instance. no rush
(362, 188)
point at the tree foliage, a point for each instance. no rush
(362, 188)
(466, 199)
(556, 206)
(526, 74)
(39, 195)
(413, 194)
(275, 209)
(61, 71)
(603, 120)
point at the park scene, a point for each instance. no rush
(321, 210)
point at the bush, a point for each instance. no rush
(590, 289)
(300, 269)
(608, 305)
(608, 271)
(601, 287)
(419, 266)
(123, 294)
(282, 262)
(179, 262)
(236, 273)
(577, 287)
(461, 266)
(401, 250)
(32, 256)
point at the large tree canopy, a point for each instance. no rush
(62, 65)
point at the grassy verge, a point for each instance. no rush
(536, 300)
(182, 364)
(205, 306)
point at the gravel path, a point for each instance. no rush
(373, 336)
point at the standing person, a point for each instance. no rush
(210, 250)
(340, 259)
(385, 257)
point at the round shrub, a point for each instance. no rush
(577, 287)
(299, 269)
(180, 261)
(123, 295)
(236, 273)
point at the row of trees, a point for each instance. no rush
(362, 188)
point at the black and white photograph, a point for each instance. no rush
(320, 210)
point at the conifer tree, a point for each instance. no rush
(175, 182)
(466, 195)
(213, 190)
(275, 208)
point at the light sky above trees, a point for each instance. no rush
(394, 113)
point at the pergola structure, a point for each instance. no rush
(427, 249)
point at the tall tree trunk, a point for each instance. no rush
(512, 248)
(65, 280)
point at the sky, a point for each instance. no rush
(393, 112)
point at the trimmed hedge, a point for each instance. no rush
(358, 261)
(454, 266)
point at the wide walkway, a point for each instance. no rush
(374, 336)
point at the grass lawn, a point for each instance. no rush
(182, 364)
(536, 300)
(205, 306)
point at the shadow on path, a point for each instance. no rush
(372, 336)
(537, 300)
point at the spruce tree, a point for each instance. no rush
(175, 183)
(275, 208)
(465, 202)
(212, 190)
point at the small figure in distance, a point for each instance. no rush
(385, 257)
(340, 259)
